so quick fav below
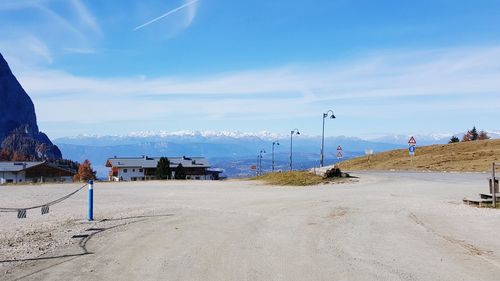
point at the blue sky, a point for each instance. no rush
(383, 66)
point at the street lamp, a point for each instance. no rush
(274, 143)
(257, 170)
(260, 160)
(295, 131)
(325, 115)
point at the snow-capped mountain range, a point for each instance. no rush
(140, 136)
(232, 151)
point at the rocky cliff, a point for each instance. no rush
(19, 133)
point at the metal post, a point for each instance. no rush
(260, 164)
(325, 115)
(322, 142)
(259, 160)
(272, 161)
(272, 164)
(91, 200)
(291, 151)
(493, 191)
(257, 172)
(295, 131)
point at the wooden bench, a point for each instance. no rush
(488, 195)
(478, 202)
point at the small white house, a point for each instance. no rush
(144, 168)
(20, 172)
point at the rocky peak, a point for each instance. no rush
(18, 126)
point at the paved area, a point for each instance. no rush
(387, 226)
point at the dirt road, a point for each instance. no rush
(387, 226)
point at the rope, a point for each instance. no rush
(43, 205)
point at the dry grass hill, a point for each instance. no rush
(475, 156)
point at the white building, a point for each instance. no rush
(144, 168)
(20, 172)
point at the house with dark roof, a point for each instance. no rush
(33, 172)
(144, 168)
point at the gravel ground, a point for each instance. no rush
(386, 226)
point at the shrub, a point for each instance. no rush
(333, 173)
(483, 136)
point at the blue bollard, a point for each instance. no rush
(91, 200)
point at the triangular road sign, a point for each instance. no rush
(339, 154)
(339, 148)
(412, 141)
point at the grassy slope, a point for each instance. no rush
(474, 156)
(295, 178)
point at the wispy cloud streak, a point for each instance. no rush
(166, 14)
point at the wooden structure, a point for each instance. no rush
(491, 198)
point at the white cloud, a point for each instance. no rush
(86, 16)
(389, 86)
(26, 48)
(191, 12)
(447, 72)
(53, 28)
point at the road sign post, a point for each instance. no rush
(412, 141)
(339, 152)
(369, 152)
(493, 189)
(411, 150)
(412, 146)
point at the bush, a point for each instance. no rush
(333, 173)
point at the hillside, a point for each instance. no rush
(474, 156)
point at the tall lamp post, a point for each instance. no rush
(257, 170)
(274, 143)
(325, 115)
(260, 161)
(295, 131)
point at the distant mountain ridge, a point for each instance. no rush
(19, 134)
(235, 152)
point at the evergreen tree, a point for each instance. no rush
(474, 134)
(180, 173)
(454, 139)
(163, 171)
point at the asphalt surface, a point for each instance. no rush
(386, 226)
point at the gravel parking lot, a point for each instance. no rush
(385, 226)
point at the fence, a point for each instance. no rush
(21, 212)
